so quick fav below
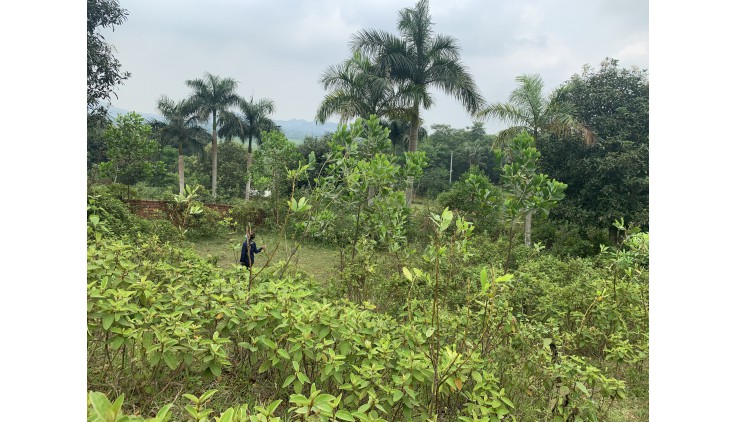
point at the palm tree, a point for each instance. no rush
(250, 123)
(528, 110)
(212, 95)
(179, 128)
(357, 89)
(417, 61)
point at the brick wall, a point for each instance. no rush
(151, 208)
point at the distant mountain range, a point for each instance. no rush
(294, 129)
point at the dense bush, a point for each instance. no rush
(476, 196)
(206, 225)
(174, 221)
(466, 343)
(569, 240)
(250, 214)
(120, 221)
(432, 313)
(433, 182)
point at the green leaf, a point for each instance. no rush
(407, 274)
(215, 369)
(270, 344)
(117, 342)
(273, 406)
(303, 378)
(582, 388)
(288, 381)
(227, 416)
(207, 395)
(299, 399)
(191, 410)
(163, 413)
(192, 398)
(503, 279)
(170, 360)
(484, 281)
(324, 407)
(283, 353)
(477, 376)
(100, 404)
(154, 358)
(344, 415)
(107, 321)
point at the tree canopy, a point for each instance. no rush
(104, 70)
(610, 179)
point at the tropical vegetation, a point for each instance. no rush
(367, 306)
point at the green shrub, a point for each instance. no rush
(250, 214)
(565, 239)
(115, 190)
(206, 225)
(121, 222)
(161, 193)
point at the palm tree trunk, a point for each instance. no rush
(180, 168)
(412, 143)
(249, 157)
(214, 176)
(412, 146)
(528, 222)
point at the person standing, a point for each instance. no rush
(248, 249)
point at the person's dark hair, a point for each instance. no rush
(252, 236)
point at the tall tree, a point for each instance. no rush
(251, 123)
(103, 69)
(529, 110)
(528, 192)
(212, 95)
(180, 128)
(418, 60)
(609, 180)
(130, 151)
(357, 88)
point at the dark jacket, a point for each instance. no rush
(248, 249)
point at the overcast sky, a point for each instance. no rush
(278, 49)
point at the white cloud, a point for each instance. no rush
(634, 52)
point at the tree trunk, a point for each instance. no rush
(412, 146)
(180, 168)
(214, 178)
(409, 190)
(528, 222)
(412, 142)
(249, 157)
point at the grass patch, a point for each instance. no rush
(630, 409)
(316, 260)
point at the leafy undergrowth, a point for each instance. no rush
(166, 326)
